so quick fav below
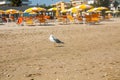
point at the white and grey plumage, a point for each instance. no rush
(55, 40)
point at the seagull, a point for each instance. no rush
(55, 40)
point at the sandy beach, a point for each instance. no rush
(90, 52)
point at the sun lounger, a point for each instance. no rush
(20, 20)
(70, 18)
(29, 22)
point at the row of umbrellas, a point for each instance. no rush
(81, 8)
(10, 11)
(37, 9)
(89, 9)
(73, 9)
(13, 11)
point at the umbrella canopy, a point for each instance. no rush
(20, 12)
(116, 11)
(84, 6)
(102, 8)
(52, 9)
(73, 10)
(108, 11)
(64, 11)
(1, 11)
(92, 10)
(34, 9)
(33, 13)
(11, 11)
(97, 9)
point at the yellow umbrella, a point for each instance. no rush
(84, 6)
(108, 11)
(52, 9)
(32, 13)
(64, 11)
(91, 10)
(20, 12)
(73, 10)
(1, 11)
(11, 11)
(34, 9)
(97, 9)
(116, 11)
(56, 10)
(102, 8)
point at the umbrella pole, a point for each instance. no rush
(7, 22)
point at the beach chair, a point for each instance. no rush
(88, 18)
(79, 19)
(4, 19)
(47, 17)
(95, 18)
(92, 19)
(42, 19)
(70, 19)
(20, 21)
(29, 22)
(108, 16)
(62, 19)
(12, 18)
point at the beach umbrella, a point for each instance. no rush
(102, 8)
(55, 9)
(73, 10)
(108, 11)
(116, 11)
(34, 9)
(11, 11)
(32, 13)
(1, 11)
(20, 12)
(52, 9)
(64, 11)
(92, 10)
(97, 9)
(84, 6)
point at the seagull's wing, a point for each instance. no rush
(57, 40)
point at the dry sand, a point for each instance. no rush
(90, 52)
